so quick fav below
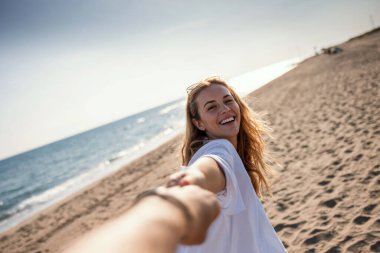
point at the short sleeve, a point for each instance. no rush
(230, 199)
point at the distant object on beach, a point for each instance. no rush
(331, 50)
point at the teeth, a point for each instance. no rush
(227, 120)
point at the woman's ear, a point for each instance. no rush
(198, 124)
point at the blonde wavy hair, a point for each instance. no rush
(250, 146)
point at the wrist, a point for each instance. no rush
(164, 214)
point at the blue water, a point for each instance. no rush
(40, 177)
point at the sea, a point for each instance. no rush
(36, 179)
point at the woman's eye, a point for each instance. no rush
(210, 108)
(229, 101)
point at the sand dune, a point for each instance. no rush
(325, 116)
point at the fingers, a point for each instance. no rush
(181, 178)
(187, 177)
(175, 179)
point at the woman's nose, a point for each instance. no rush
(225, 108)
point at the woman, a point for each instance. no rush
(224, 153)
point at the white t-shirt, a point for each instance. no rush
(242, 226)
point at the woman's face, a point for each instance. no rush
(219, 113)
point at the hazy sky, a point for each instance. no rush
(70, 65)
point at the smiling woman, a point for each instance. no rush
(218, 114)
(224, 153)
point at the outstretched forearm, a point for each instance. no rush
(160, 220)
(153, 225)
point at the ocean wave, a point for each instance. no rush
(126, 152)
(52, 193)
(170, 108)
(37, 202)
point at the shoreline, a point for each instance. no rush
(97, 191)
(108, 170)
(324, 114)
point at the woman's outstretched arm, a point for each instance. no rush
(204, 172)
(154, 224)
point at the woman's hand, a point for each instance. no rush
(204, 172)
(187, 177)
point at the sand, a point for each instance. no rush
(325, 116)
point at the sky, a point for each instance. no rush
(67, 66)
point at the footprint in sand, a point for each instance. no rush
(357, 157)
(331, 202)
(375, 247)
(336, 162)
(373, 173)
(341, 167)
(374, 194)
(324, 217)
(281, 207)
(348, 177)
(367, 145)
(357, 246)
(281, 226)
(320, 236)
(324, 182)
(347, 151)
(368, 209)
(360, 220)
(376, 224)
(335, 249)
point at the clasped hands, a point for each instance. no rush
(188, 187)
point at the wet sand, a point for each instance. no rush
(325, 116)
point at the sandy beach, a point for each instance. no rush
(325, 116)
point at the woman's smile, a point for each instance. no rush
(228, 120)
